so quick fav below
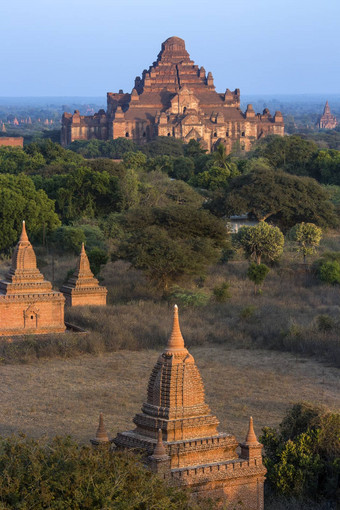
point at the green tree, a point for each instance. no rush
(302, 458)
(262, 240)
(329, 272)
(62, 474)
(171, 243)
(134, 160)
(257, 274)
(19, 200)
(97, 258)
(183, 168)
(307, 236)
(164, 146)
(284, 198)
(292, 154)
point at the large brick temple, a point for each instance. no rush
(327, 119)
(28, 305)
(174, 97)
(179, 434)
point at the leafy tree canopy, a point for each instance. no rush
(284, 199)
(261, 241)
(307, 236)
(63, 474)
(302, 457)
(172, 242)
(19, 200)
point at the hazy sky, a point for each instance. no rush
(89, 47)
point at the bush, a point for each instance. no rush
(63, 474)
(186, 298)
(97, 259)
(329, 272)
(302, 458)
(325, 323)
(257, 274)
(222, 293)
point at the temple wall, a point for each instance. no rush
(11, 141)
(85, 299)
(24, 315)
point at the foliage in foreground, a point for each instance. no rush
(303, 457)
(63, 474)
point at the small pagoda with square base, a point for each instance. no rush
(179, 435)
(28, 305)
(83, 288)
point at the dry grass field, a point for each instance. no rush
(65, 396)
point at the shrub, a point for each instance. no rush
(186, 298)
(329, 272)
(302, 458)
(222, 293)
(97, 259)
(325, 323)
(63, 474)
(257, 274)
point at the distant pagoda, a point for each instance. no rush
(179, 434)
(28, 305)
(327, 119)
(83, 288)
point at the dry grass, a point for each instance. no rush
(284, 318)
(65, 396)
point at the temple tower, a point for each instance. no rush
(83, 288)
(327, 120)
(28, 305)
(179, 434)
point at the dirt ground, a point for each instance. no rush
(65, 396)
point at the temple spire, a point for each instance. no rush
(251, 437)
(176, 340)
(159, 450)
(101, 434)
(23, 237)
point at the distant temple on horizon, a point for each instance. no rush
(327, 119)
(174, 97)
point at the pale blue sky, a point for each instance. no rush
(89, 47)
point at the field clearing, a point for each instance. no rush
(65, 396)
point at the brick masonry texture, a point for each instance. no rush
(179, 434)
(28, 305)
(11, 141)
(82, 288)
(174, 97)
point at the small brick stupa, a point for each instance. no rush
(179, 433)
(83, 288)
(28, 305)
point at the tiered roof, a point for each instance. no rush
(24, 277)
(83, 283)
(176, 406)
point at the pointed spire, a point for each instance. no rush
(23, 237)
(101, 434)
(251, 437)
(327, 108)
(159, 450)
(83, 263)
(176, 340)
